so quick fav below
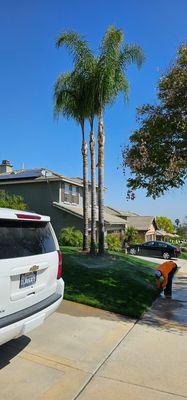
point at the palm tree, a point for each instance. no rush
(92, 112)
(70, 102)
(93, 189)
(110, 81)
(104, 78)
(177, 221)
(84, 67)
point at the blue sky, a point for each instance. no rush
(30, 63)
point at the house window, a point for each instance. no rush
(74, 195)
(69, 194)
(66, 193)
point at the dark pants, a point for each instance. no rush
(168, 288)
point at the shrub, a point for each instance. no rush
(183, 249)
(70, 237)
(139, 239)
(113, 242)
(131, 235)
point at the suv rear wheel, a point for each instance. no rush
(166, 255)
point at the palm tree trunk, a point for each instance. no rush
(93, 191)
(101, 182)
(85, 191)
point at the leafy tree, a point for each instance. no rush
(157, 154)
(165, 224)
(70, 237)
(181, 231)
(184, 224)
(131, 235)
(12, 201)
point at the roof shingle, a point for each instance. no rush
(110, 219)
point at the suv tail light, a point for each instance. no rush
(59, 274)
(28, 216)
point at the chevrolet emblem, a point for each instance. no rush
(34, 268)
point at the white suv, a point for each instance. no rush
(31, 286)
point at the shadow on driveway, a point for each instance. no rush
(11, 349)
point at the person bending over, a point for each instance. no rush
(164, 274)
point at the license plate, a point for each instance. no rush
(27, 279)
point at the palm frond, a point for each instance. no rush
(95, 81)
(70, 97)
(78, 47)
(112, 62)
(131, 53)
(70, 39)
(112, 41)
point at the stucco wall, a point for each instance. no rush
(141, 236)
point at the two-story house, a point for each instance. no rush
(53, 194)
(48, 192)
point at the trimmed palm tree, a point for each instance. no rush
(103, 79)
(70, 102)
(114, 57)
(93, 189)
(177, 221)
(92, 112)
(84, 68)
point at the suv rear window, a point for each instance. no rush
(23, 238)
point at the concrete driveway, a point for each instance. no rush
(89, 354)
(62, 355)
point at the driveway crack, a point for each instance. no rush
(142, 386)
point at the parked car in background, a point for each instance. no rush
(31, 284)
(155, 248)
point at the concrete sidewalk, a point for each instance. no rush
(151, 362)
(89, 354)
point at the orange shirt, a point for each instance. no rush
(165, 269)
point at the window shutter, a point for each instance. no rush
(62, 192)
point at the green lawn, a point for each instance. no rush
(118, 282)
